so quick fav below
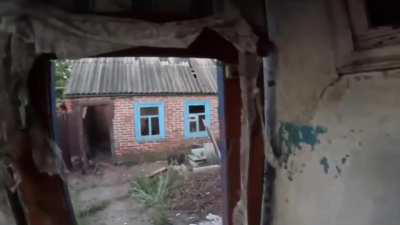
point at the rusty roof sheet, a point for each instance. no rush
(141, 76)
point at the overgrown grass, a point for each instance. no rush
(83, 214)
(154, 192)
(93, 209)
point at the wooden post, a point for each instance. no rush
(44, 196)
(233, 105)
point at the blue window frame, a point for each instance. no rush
(196, 113)
(149, 121)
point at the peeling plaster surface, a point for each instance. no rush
(349, 174)
(302, 55)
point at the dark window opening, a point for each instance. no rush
(150, 121)
(197, 119)
(193, 126)
(196, 109)
(383, 13)
(155, 126)
(202, 126)
(145, 131)
(147, 111)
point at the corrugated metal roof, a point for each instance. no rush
(141, 76)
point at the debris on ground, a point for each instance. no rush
(203, 156)
(204, 169)
(158, 171)
(211, 220)
(203, 187)
(104, 197)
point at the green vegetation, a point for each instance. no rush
(62, 74)
(153, 192)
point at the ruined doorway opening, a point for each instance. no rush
(97, 130)
(113, 111)
(209, 45)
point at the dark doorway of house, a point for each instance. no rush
(96, 124)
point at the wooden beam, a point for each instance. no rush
(233, 106)
(257, 160)
(44, 196)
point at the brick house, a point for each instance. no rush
(131, 106)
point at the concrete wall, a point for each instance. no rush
(339, 137)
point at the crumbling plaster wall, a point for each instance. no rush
(42, 29)
(339, 137)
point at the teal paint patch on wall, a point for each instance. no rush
(292, 136)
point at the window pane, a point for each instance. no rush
(148, 111)
(155, 126)
(196, 109)
(144, 129)
(202, 127)
(192, 126)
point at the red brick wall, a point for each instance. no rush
(124, 139)
(124, 124)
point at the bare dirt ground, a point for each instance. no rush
(102, 197)
(199, 196)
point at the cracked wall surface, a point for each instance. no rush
(339, 136)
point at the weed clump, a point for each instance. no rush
(153, 192)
